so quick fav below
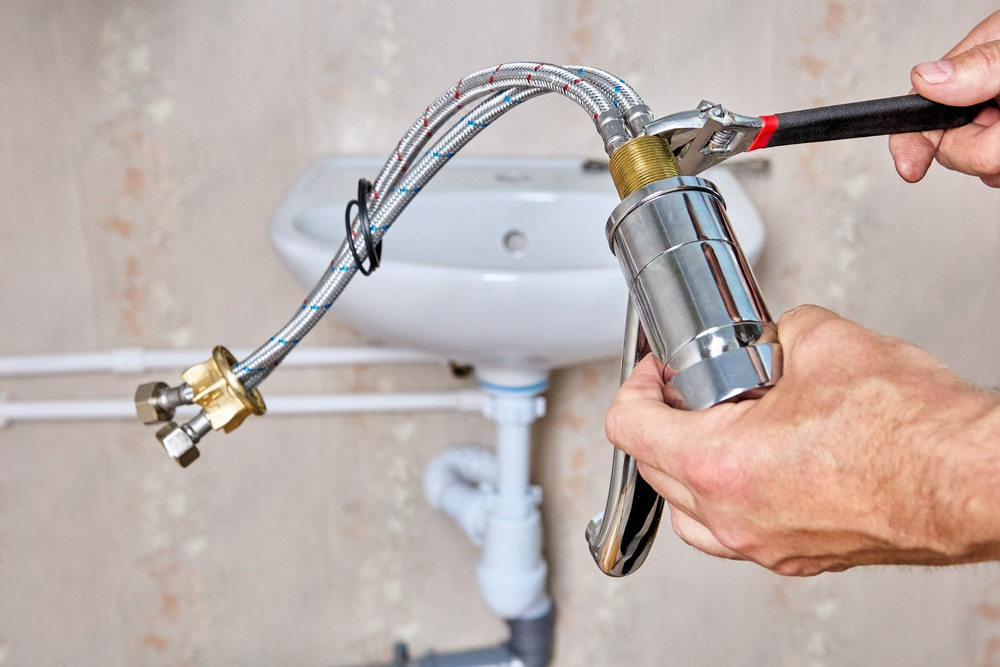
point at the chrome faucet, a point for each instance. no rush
(695, 304)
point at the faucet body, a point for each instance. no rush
(695, 304)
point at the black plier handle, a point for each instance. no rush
(706, 136)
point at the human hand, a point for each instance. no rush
(967, 75)
(858, 455)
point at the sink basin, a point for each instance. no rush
(499, 263)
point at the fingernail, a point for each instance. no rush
(937, 72)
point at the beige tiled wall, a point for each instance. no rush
(142, 148)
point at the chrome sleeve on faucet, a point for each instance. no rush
(702, 314)
(697, 298)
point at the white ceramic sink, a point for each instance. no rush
(501, 263)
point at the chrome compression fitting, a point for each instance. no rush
(212, 385)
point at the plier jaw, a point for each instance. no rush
(704, 137)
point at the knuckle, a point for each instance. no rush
(718, 475)
(798, 321)
(789, 317)
(742, 542)
(821, 336)
(613, 423)
(677, 524)
(983, 160)
(796, 567)
(986, 56)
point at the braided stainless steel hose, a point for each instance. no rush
(592, 89)
(529, 80)
(622, 96)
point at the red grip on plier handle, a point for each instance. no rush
(763, 137)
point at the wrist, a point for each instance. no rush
(964, 479)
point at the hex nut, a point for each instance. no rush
(179, 445)
(147, 403)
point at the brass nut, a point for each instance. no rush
(642, 161)
(224, 399)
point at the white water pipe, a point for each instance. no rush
(466, 400)
(138, 360)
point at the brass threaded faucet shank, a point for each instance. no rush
(642, 161)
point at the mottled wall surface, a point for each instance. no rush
(142, 148)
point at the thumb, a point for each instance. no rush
(797, 322)
(640, 423)
(964, 79)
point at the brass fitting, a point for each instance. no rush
(640, 162)
(224, 399)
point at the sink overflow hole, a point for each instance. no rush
(515, 242)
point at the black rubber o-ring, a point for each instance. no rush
(374, 249)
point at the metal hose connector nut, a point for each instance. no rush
(225, 400)
(637, 117)
(642, 161)
(611, 126)
(155, 402)
(149, 404)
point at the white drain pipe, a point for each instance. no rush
(512, 572)
(456, 483)
(491, 498)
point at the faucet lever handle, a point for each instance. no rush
(621, 536)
